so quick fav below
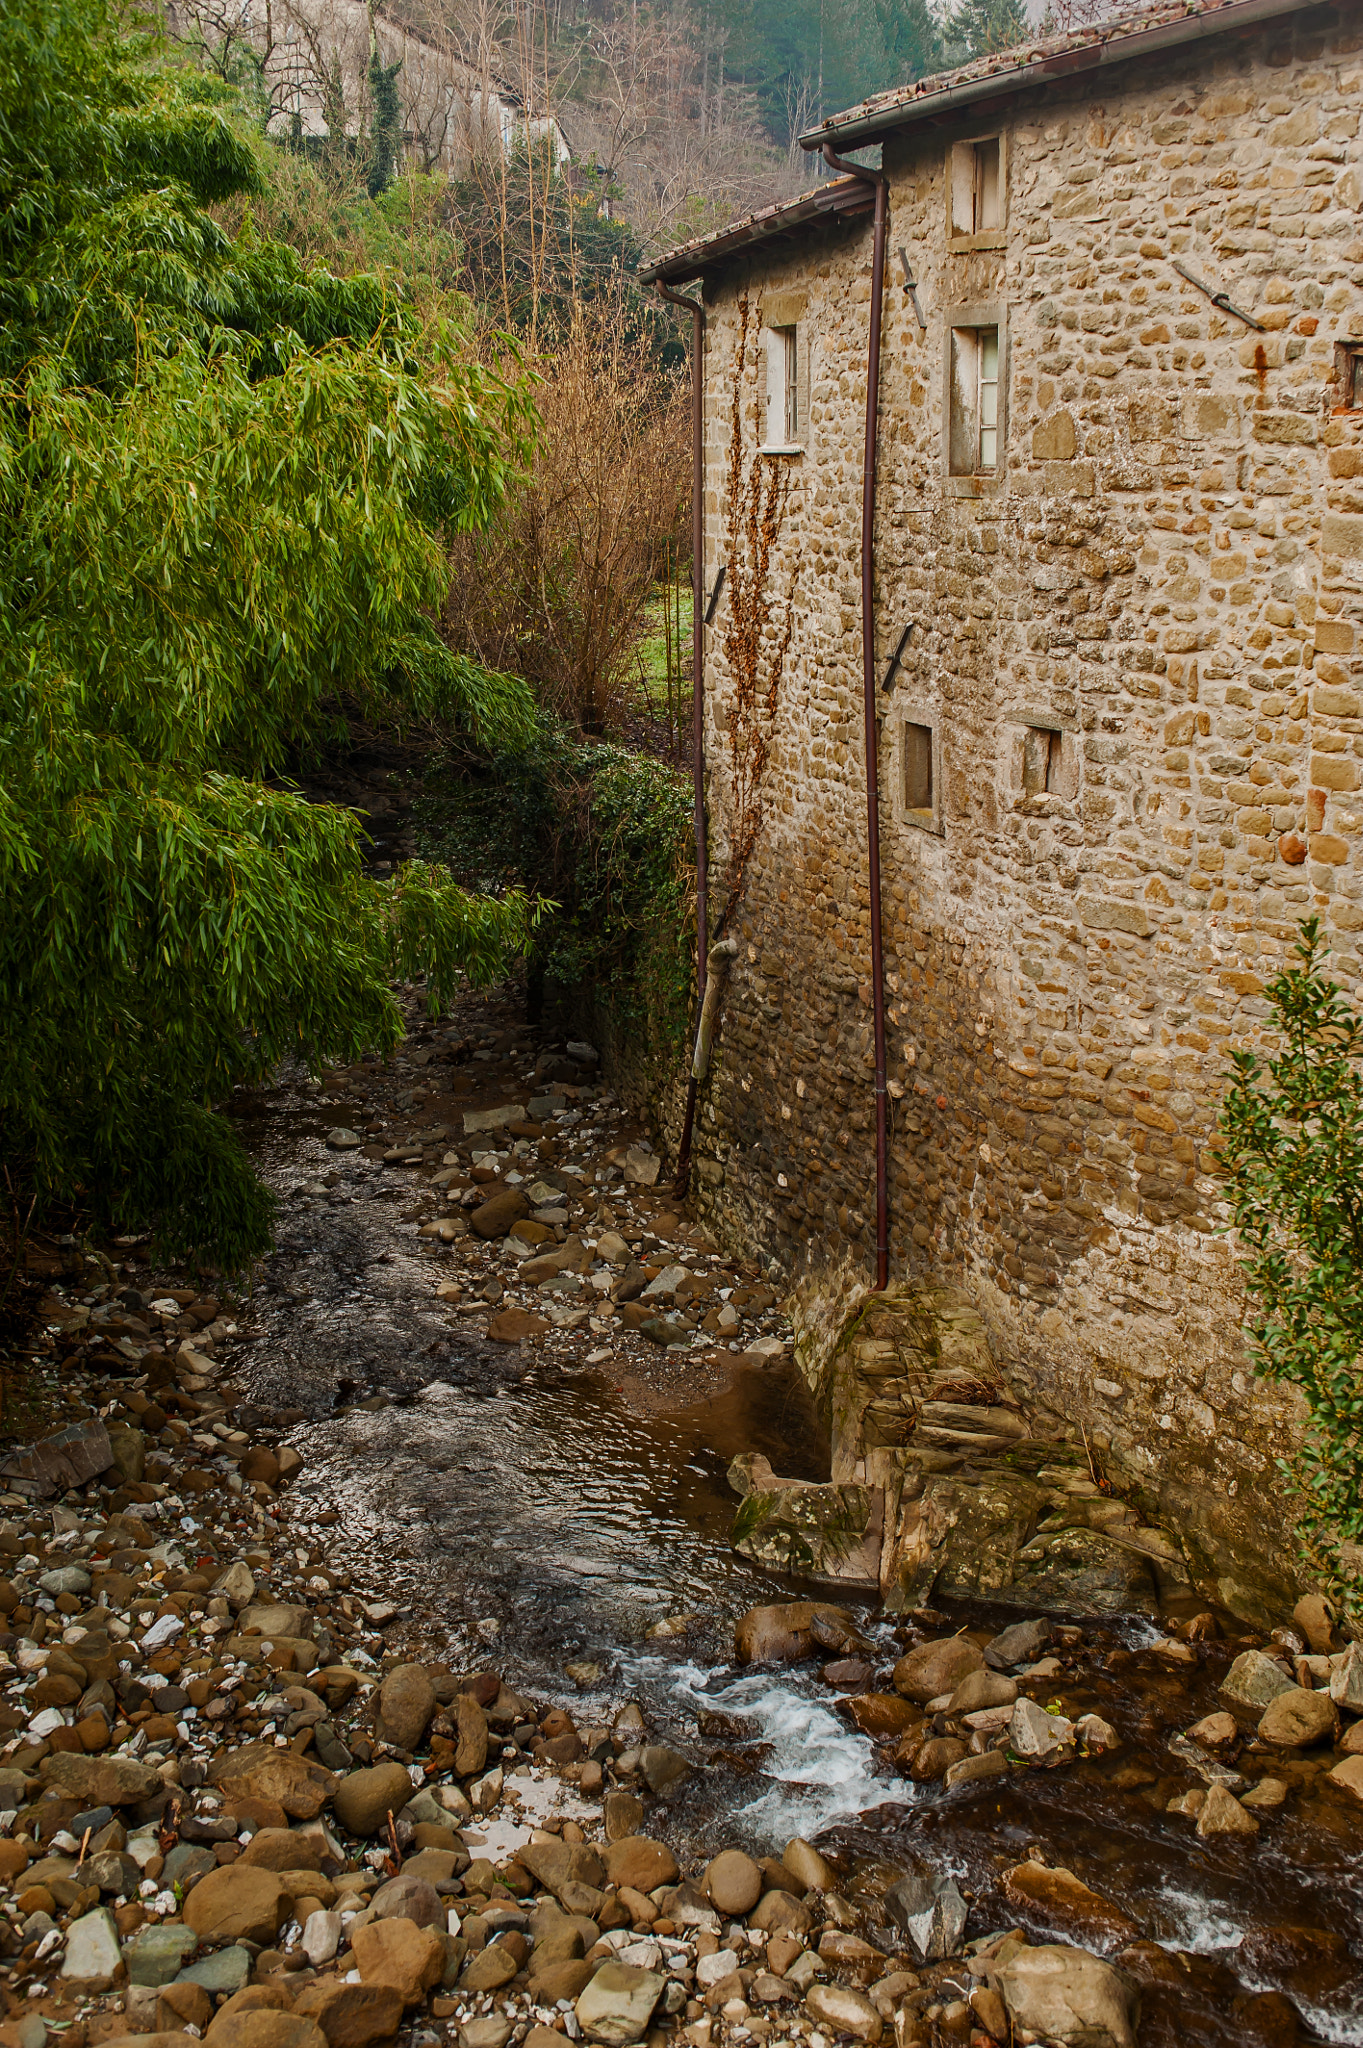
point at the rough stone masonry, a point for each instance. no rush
(1120, 751)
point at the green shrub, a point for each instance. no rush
(1292, 1132)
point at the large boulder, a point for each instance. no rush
(279, 1776)
(396, 1952)
(352, 2015)
(639, 1863)
(790, 1630)
(560, 1864)
(1064, 1995)
(1299, 1718)
(495, 1217)
(928, 1906)
(1056, 1898)
(240, 1902)
(1082, 1571)
(732, 1882)
(1251, 1684)
(283, 1849)
(260, 2027)
(814, 1531)
(936, 1668)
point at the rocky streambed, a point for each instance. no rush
(377, 1665)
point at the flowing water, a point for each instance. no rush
(549, 1511)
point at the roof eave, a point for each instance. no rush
(680, 265)
(851, 130)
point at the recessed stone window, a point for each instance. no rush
(1047, 761)
(976, 417)
(785, 424)
(976, 193)
(919, 773)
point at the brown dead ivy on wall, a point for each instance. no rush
(758, 622)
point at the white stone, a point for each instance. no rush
(322, 1937)
(92, 1946)
(713, 1969)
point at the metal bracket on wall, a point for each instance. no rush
(1218, 299)
(714, 595)
(898, 656)
(911, 287)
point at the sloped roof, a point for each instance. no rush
(840, 196)
(1125, 34)
(1121, 37)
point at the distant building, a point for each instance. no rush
(1118, 645)
(313, 58)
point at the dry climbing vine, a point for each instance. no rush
(758, 625)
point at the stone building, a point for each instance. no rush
(1118, 594)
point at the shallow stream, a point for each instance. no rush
(548, 1509)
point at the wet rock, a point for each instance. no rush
(1251, 1684)
(1315, 1618)
(993, 1764)
(1348, 1777)
(639, 1863)
(825, 1531)
(930, 1909)
(784, 1633)
(617, 2005)
(1081, 1571)
(1314, 1961)
(406, 1704)
(365, 1798)
(1056, 1898)
(1096, 1735)
(935, 1757)
(1298, 1718)
(1215, 1731)
(732, 1882)
(238, 1903)
(1266, 1792)
(936, 1668)
(1021, 1643)
(1222, 1814)
(663, 1769)
(981, 1689)
(807, 1866)
(1064, 1995)
(844, 2010)
(881, 1714)
(352, 2015)
(93, 1950)
(396, 1952)
(1039, 1737)
(99, 1780)
(779, 1913)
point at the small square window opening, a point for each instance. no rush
(974, 424)
(977, 187)
(918, 768)
(1042, 753)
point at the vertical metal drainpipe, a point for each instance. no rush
(697, 312)
(868, 675)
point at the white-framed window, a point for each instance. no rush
(975, 189)
(975, 422)
(787, 387)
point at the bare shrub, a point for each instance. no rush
(556, 589)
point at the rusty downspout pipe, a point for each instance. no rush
(868, 673)
(697, 312)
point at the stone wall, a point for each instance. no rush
(1167, 572)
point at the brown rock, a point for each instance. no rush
(99, 1780)
(182, 2005)
(470, 1754)
(14, 1859)
(263, 2028)
(1215, 1731)
(353, 2015)
(881, 1714)
(513, 1325)
(1299, 1718)
(406, 1704)
(935, 1757)
(936, 1668)
(732, 1882)
(566, 1978)
(260, 1464)
(491, 1969)
(1348, 1777)
(282, 1849)
(558, 1864)
(640, 1863)
(408, 1898)
(1222, 1814)
(495, 1217)
(397, 1952)
(239, 1902)
(1057, 1899)
(780, 1913)
(364, 1799)
(791, 1629)
(281, 1777)
(981, 1689)
(276, 1996)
